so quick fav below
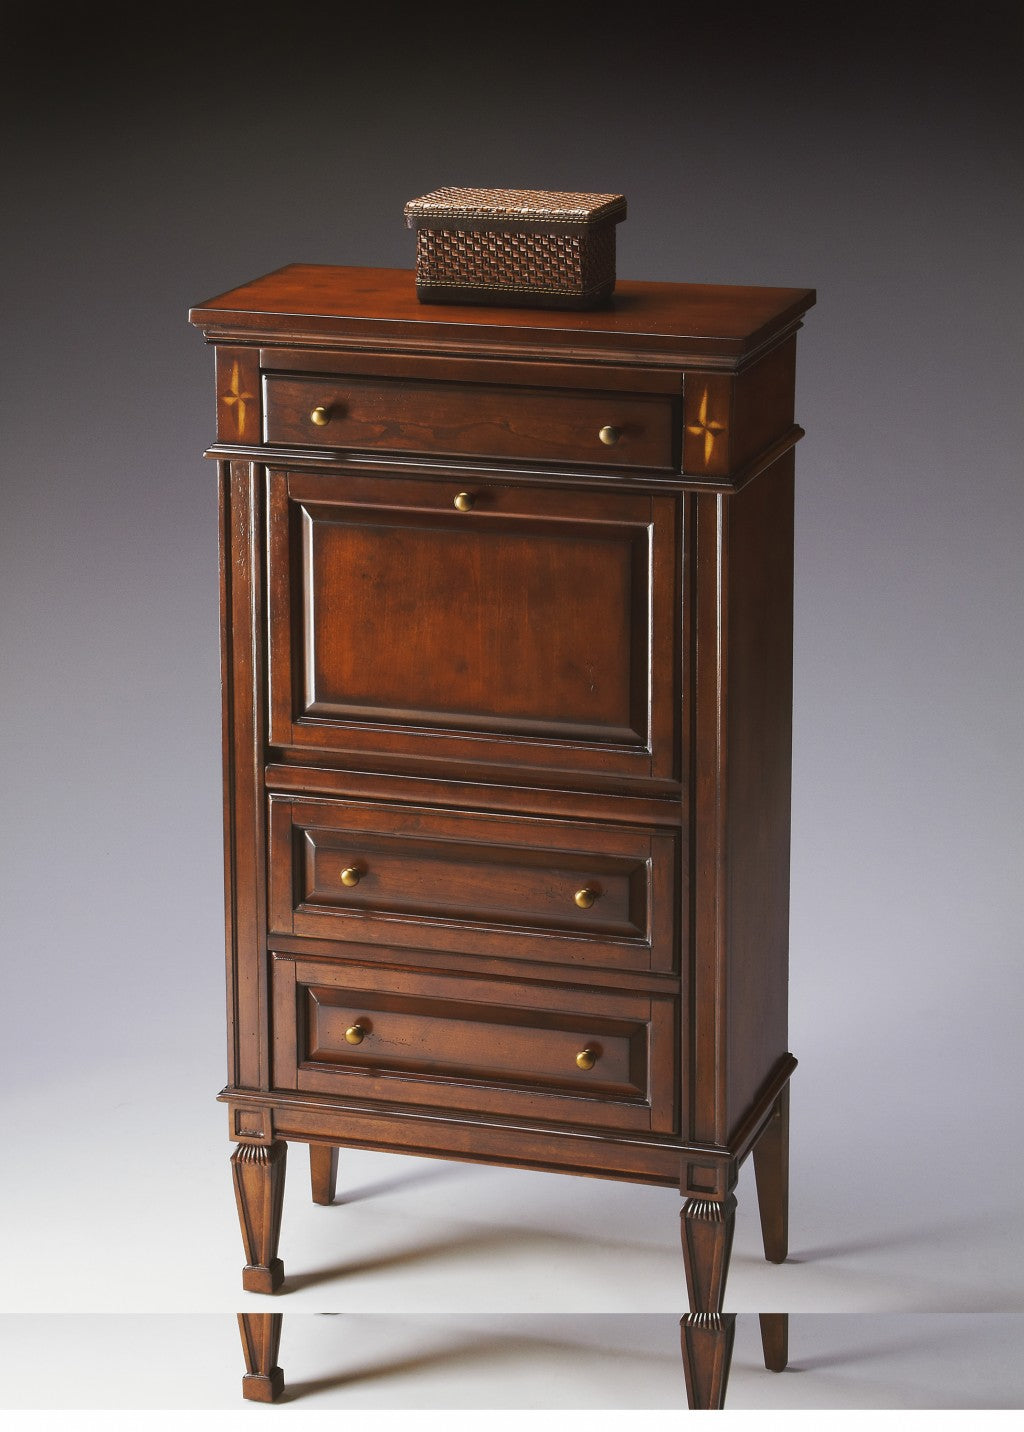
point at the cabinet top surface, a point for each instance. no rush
(379, 303)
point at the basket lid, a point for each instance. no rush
(504, 206)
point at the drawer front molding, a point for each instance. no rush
(535, 628)
(512, 886)
(547, 1051)
(472, 420)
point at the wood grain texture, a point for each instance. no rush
(493, 1138)
(576, 677)
(648, 322)
(742, 745)
(706, 1341)
(441, 366)
(239, 400)
(261, 1346)
(708, 425)
(476, 1044)
(258, 1175)
(491, 886)
(472, 419)
(707, 1227)
(521, 633)
(771, 1170)
(708, 1116)
(323, 1172)
(474, 1137)
(244, 726)
(775, 1340)
(758, 631)
(462, 792)
(762, 404)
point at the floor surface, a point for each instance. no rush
(535, 1361)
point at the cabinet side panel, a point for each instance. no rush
(763, 403)
(759, 738)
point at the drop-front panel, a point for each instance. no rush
(507, 613)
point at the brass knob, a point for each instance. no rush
(351, 876)
(609, 436)
(355, 1035)
(585, 898)
(585, 1059)
(320, 417)
(464, 501)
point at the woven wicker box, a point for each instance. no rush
(515, 246)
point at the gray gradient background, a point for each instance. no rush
(873, 153)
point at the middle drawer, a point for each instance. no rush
(566, 892)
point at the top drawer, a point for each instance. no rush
(633, 430)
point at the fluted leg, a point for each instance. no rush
(771, 1171)
(706, 1340)
(261, 1343)
(323, 1172)
(258, 1174)
(706, 1332)
(775, 1340)
(707, 1229)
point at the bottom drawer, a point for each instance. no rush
(530, 1049)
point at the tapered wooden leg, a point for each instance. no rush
(261, 1343)
(706, 1340)
(771, 1171)
(258, 1174)
(323, 1172)
(707, 1229)
(707, 1333)
(775, 1340)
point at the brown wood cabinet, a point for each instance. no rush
(507, 615)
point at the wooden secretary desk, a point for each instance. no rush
(507, 636)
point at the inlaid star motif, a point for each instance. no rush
(235, 397)
(710, 429)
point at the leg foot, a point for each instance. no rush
(706, 1340)
(261, 1343)
(707, 1229)
(775, 1340)
(771, 1171)
(323, 1172)
(258, 1174)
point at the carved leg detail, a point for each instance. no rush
(775, 1340)
(258, 1174)
(261, 1343)
(706, 1340)
(707, 1229)
(771, 1171)
(323, 1172)
(706, 1333)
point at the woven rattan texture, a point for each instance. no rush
(537, 204)
(519, 263)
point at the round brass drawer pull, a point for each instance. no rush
(320, 417)
(585, 898)
(464, 501)
(609, 436)
(585, 1059)
(355, 1035)
(351, 876)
